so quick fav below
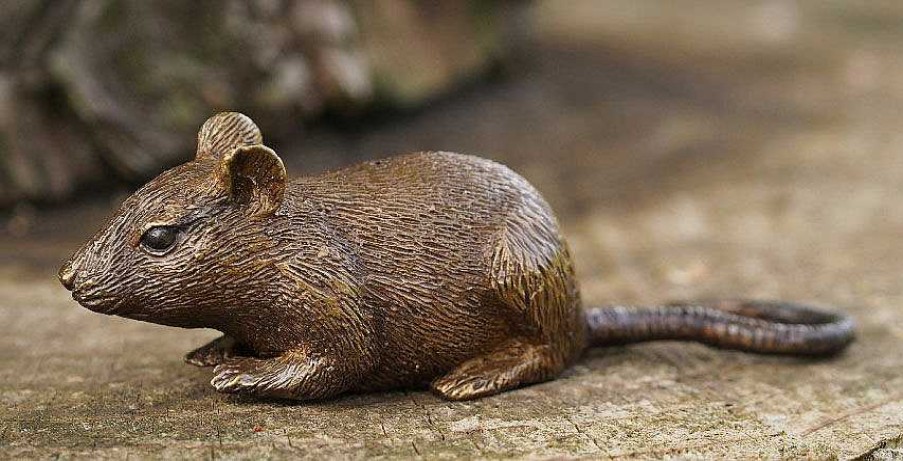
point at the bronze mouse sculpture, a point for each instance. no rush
(433, 268)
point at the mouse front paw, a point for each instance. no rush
(237, 376)
(290, 376)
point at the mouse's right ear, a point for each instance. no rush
(253, 176)
(225, 132)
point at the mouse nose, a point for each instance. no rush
(67, 276)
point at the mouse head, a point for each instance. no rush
(182, 245)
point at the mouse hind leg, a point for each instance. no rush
(533, 279)
(513, 364)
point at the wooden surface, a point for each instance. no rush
(712, 149)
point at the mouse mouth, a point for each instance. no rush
(100, 304)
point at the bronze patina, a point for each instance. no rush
(431, 268)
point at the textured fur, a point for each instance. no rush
(429, 268)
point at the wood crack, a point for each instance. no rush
(429, 417)
(858, 411)
(885, 443)
(586, 434)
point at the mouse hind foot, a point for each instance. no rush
(515, 364)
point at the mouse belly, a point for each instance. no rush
(430, 340)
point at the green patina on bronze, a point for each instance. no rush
(431, 268)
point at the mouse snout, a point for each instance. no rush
(67, 275)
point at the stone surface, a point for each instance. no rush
(713, 149)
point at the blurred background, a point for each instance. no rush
(691, 148)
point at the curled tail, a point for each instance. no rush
(766, 327)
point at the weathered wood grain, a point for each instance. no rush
(683, 165)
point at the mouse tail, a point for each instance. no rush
(765, 327)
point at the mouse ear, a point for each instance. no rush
(224, 132)
(254, 176)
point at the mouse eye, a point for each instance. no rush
(158, 239)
